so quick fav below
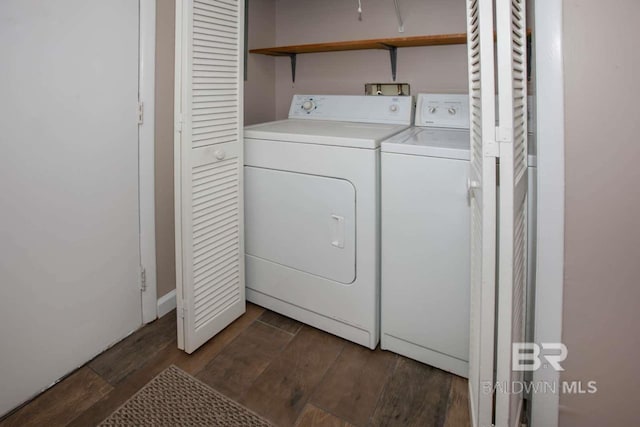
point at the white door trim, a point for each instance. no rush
(550, 236)
(146, 138)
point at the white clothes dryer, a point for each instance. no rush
(312, 211)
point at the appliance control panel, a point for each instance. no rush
(353, 108)
(442, 110)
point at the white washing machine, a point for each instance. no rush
(425, 236)
(312, 211)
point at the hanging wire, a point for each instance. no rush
(399, 15)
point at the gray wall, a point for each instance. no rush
(602, 236)
(427, 69)
(259, 89)
(165, 237)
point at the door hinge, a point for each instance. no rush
(491, 149)
(140, 113)
(181, 311)
(504, 134)
(179, 123)
(143, 279)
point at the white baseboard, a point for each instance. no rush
(166, 303)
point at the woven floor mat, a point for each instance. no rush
(175, 398)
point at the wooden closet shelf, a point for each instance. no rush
(390, 44)
(433, 40)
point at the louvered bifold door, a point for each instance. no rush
(208, 168)
(512, 228)
(482, 197)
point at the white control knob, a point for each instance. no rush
(393, 108)
(220, 154)
(433, 110)
(452, 111)
(307, 105)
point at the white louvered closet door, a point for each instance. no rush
(208, 168)
(512, 135)
(482, 197)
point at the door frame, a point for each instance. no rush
(146, 159)
(550, 210)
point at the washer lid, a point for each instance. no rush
(343, 134)
(432, 142)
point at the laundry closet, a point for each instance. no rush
(238, 191)
(437, 65)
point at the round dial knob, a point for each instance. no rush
(393, 108)
(307, 105)
(432, 110)
(452, 111)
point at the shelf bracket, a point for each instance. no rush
(293, 57)
(393, 56)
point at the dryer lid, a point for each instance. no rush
(342, 134)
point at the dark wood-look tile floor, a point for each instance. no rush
(290, 373)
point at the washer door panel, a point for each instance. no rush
(305, 222)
